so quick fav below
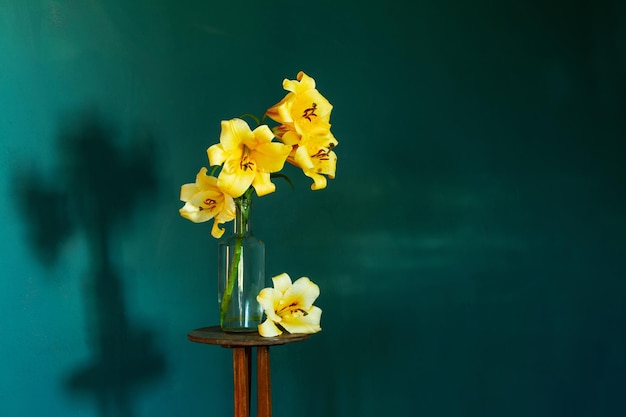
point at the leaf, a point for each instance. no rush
(251, 116)
(283, 176)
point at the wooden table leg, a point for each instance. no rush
(264, 389)
(241, 376)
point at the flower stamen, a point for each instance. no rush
(308, 113)
(246, 163)
(209, 203)
(322, 154)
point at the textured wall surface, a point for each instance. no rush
(470, 252)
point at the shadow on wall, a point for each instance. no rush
(94, 194)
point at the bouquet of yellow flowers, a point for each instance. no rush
(248, 159)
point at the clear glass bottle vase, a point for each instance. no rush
(241, 273)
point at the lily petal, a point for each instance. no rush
(261, 135)
(262, 184)
(323, 164)
(235, 133)
(269, 329)
(216, 154)
(282, 282)
(216, 231)
(304, 83)
(270, 156)
(319, 181)
(301, 158)
(303, 292)
(233, 179)
(309, 323)
(269, 299)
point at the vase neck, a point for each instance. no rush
(241, 223)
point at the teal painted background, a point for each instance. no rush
(470, 252)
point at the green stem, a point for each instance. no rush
(232, 277)
(242, 205)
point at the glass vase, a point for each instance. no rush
(241, 273)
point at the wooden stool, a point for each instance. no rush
(242, 344)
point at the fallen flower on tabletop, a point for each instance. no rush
(290, 307)
(249, 156)
(205, 201)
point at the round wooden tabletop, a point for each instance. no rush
(214, 335)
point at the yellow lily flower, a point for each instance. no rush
(205, 201)
(248, 158)
(290, 306)
(304, 115)
(315, 157)
(302, 112)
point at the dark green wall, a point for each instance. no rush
(470, 252)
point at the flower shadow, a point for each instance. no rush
(96, 187)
